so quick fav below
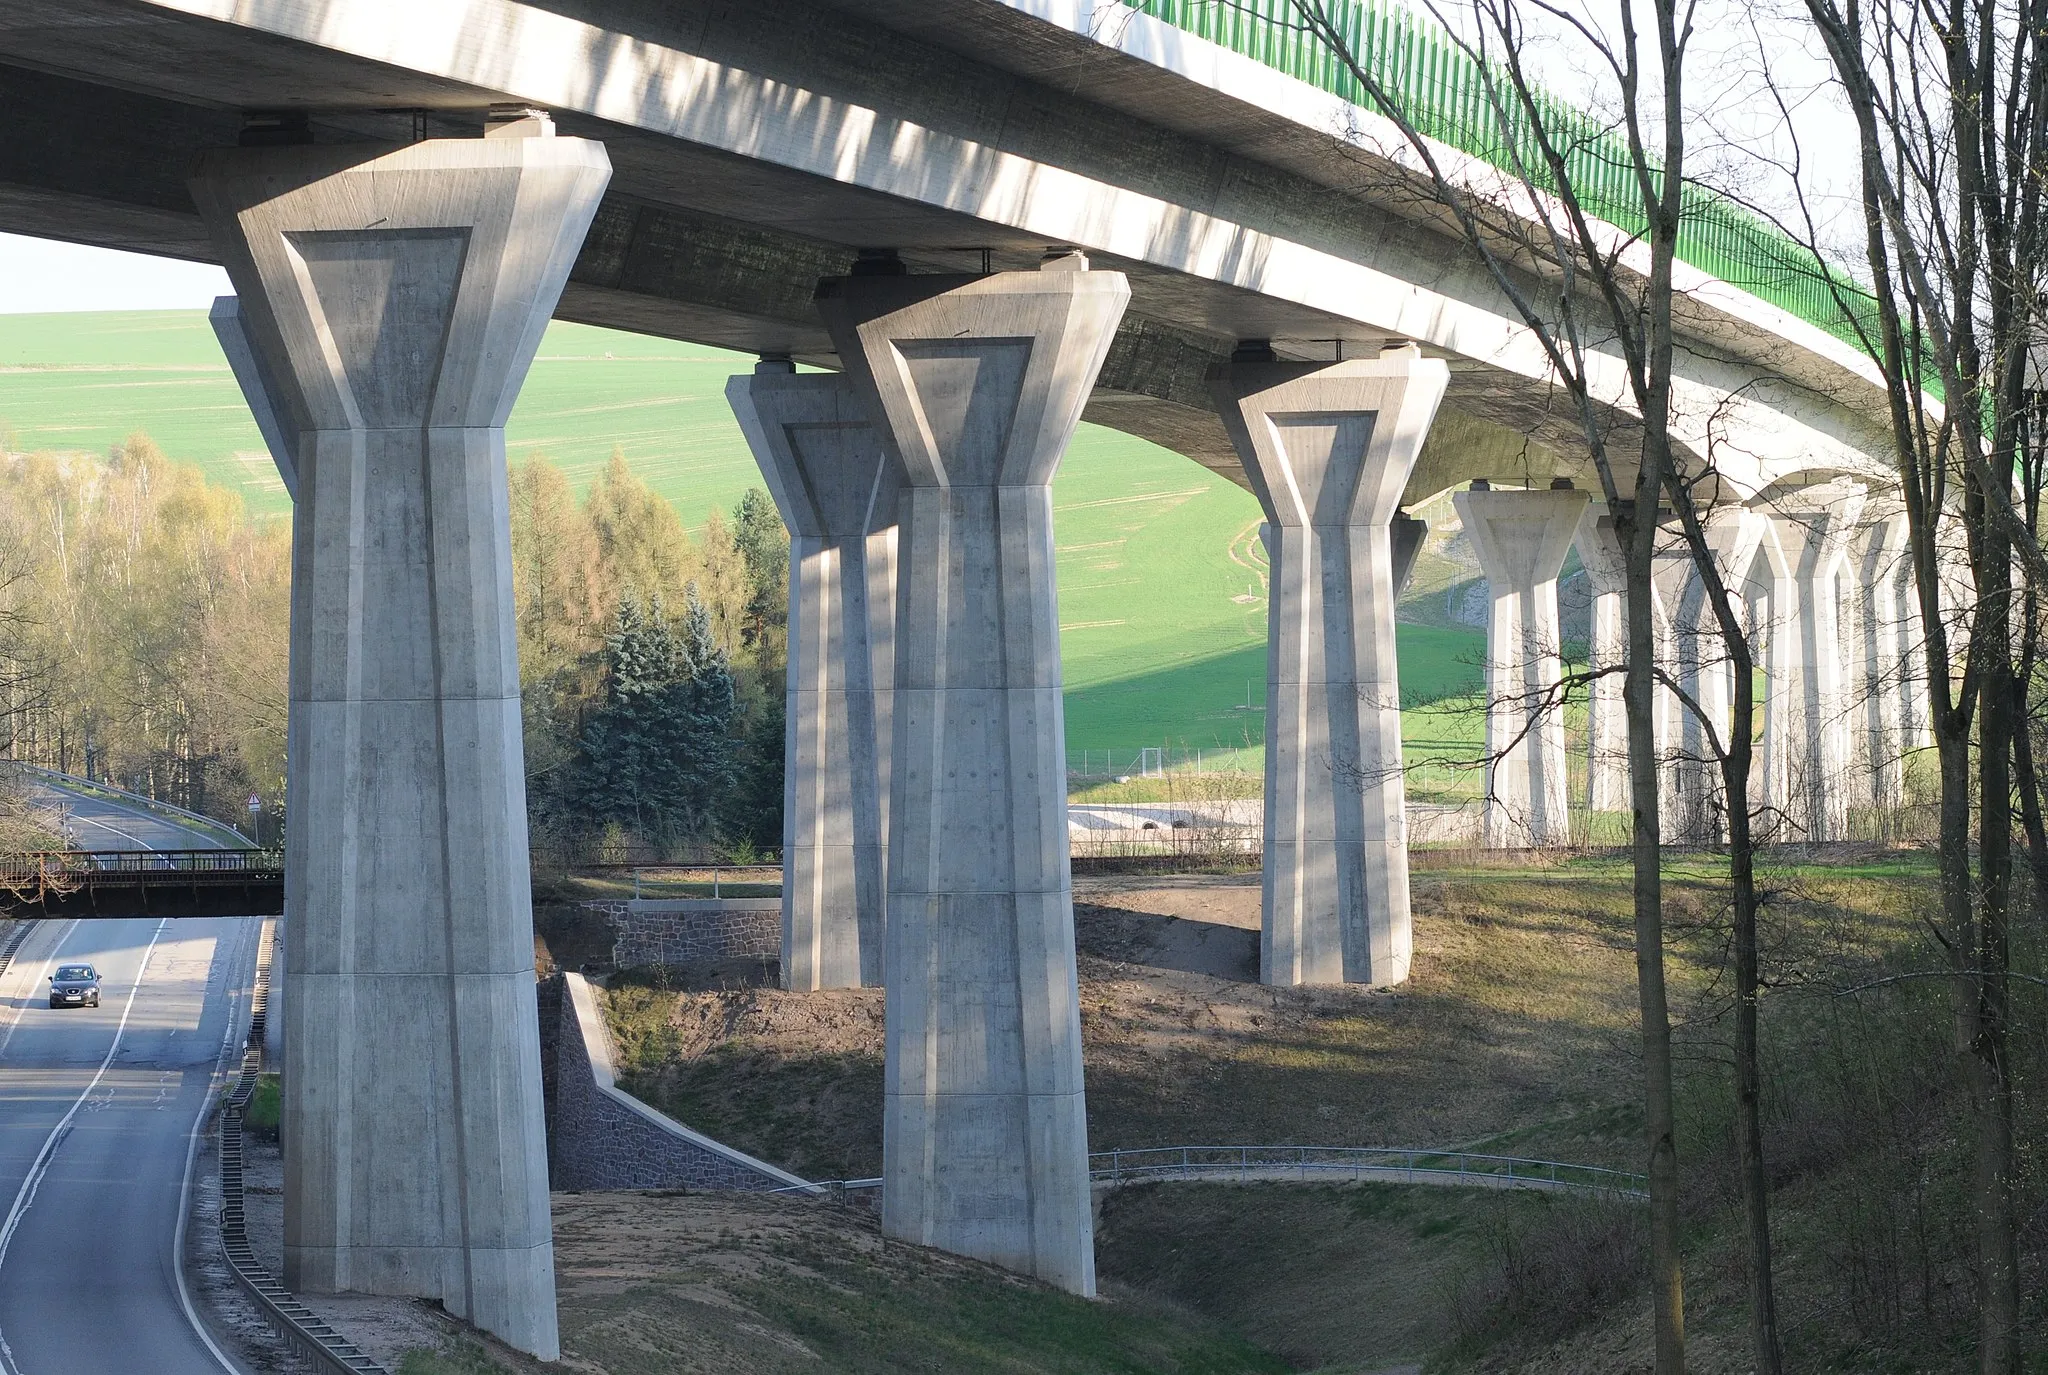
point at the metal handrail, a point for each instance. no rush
(718, 872)
(1126, 1166)
(1267, 1163)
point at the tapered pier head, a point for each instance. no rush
(979, 383)
(393, 298)
(1807, 737)
(835, 482)
(1521, 538)
(1328, 449)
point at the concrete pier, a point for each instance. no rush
(1915, 727)
(1328, 449)
(1521, 538)
(1807, 736)
(835, 483)
(395, 297)
(1876, 686)
(1696, 806)
(1607, 787)
(979, 382)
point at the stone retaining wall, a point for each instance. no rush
(693, 930)
(607, 1139)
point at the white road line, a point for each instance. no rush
(90, 821)
(227, 1042)
(26, 1195)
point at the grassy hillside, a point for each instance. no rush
(1161, 579)
(1515, 1035)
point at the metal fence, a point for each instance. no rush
(1159, 762)
(1325, 1164)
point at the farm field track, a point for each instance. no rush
(1162, 587)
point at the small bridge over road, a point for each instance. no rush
(71, 884)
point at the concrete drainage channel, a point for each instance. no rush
(298, 1325)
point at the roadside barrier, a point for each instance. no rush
(300, 1327)
(177, 815)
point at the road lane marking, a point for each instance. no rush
(227, 1043)
(90, 821)
(25, 1196)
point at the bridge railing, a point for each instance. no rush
(1446, 94)
(84, 864)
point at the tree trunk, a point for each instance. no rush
(1667, 1278)
(1983, 1031)
(1749, 1134)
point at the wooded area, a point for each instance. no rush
(146, 635)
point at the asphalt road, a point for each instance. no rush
(98, 1107)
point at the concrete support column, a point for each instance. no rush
(979, 382)
(1876, 670)
(1607, 788)
(395, 298)
(1915, 729)
(1521, 538)
(1695, 805)
(1328, 449)
(835, 483)
(1807, 751)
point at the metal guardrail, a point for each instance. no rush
(168, 811)
(303, 1329)
(1321, 1164)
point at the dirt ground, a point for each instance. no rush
(1513, 1033)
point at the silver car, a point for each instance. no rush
(75, 985)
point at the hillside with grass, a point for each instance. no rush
(1162, 581)
(1515, 1036)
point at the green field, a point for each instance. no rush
(1162, 604)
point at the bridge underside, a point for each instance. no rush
(107, 102)
(139, 896)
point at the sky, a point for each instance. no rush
(38, 275)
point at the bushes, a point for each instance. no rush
(1545, 1279)
(260, 1118)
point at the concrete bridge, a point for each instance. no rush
(990, 218)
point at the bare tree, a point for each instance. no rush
(1950, 101)
(1591, 293)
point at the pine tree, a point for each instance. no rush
(659, 755)
(764, 548)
